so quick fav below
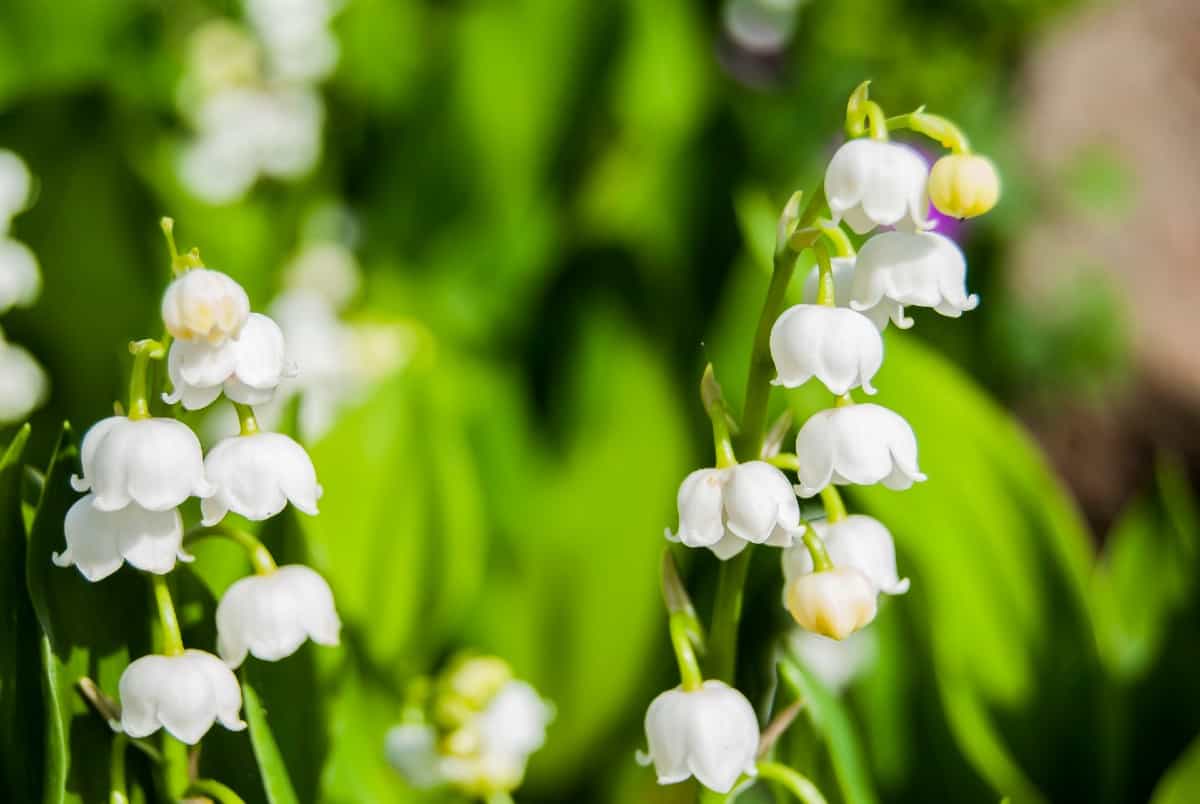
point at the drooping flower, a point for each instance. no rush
(726, 509)
(271, 615)
(871, 183)
(834, 603)
(248, 367)
(895, 269)
(183, 694)
(838, 346)
(858, 541)
(98, 542)
(710, 733)
(155, 463)
(964, 185)
(296, 35)
(15, 186)
(205, 305)
(20, 280)
(862, 444)
(23, 383)
(491, 750)
(257, 475)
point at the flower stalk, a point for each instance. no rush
(260, 557)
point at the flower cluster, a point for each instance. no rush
(251, 97)
(473, 728)
(834, 568)
(139, 469)
(23, 383)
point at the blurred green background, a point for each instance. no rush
(572, 205)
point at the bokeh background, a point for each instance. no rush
(562, 210)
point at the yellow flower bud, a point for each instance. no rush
(834, 603)
(964, 185)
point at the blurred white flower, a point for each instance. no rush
(23, 383)
(859, 542)
(20, 280)
(221, 55)
(871, 183)
(726, 509)
(204, 305)
(184, 694)
(328, 269)
(838, 346)
(411, 749)
(761, 26)
(155, 463)
(15, 185)
(834, 603)
(248, 367)
(710, 733)
(271, 615)
(257, 475)
(835, 662)
(98, 542)
(862, 444)
(296, 36)
(895, 269)
(843, 278)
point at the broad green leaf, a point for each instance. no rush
(1181, 784)
(266, 752)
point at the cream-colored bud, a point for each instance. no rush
(205, 305)
(964, 185)
(834, 603)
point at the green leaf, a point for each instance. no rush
(270, 763)
(1181, 783)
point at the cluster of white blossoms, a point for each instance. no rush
(835, 568)
(23, 382)
(476, 731)
(251, 97)
(139, 469)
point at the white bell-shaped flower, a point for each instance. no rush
(871, 183)
(183, 694)
(271, 615)
(23, 383)
(710, 733)
(858, 541)
(843, 281)
(15, 186)
(205, 305)
(248, 367)
(326, 268)
(726, 509)
(155, 463)
(98, 542)
(514, 722)
(838, 346)
(20, 280)
(257, 475)
(862, 444)
(411, 748)
(834, 603)
(895, 269)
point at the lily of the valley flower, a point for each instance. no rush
(155, 463)
(184, 694)
(862, 444)
(248, 367)
(205, 305)
(895, 269)
(23, 383)
(411, 749)
(871, 183)
(838, 346)
(257, 475)
(710, 733)
(98, 542)
(860, 542)
(834, 603)
(271, 615)
(964, 185)
(726, 509)
(20, 280)
(835, 662)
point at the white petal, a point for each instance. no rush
(20, 280)
(87, 453)
(921, 269)
(256, 475)
(834, 603)
(156, 463)
(667, 724)
(759, 500)
(699, 503)
(863, 444)
(23, 383)
(724, 736)
(202, 304)
(260, 353)
(871, 183)
(91, 541)
(271, 615)
(840, 347)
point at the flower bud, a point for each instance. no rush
(964, 185)
(205, 305)
(834, 603)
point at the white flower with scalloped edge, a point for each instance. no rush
(204, 305)
(726, 509)
(871, 183)
(155, 463)
(98, 542)
(257, 475)
(838, 346)
(922, 269)
(183, 694)
(858, 541)
(711, 733)
(248, 367)
(862, 444)
(270, 616)
(20, 279)
(834, 603)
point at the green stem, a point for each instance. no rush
(794, 782)
(118, 791)
(171, 636)
(826, 292)
(876, 121)
(246, 419)
(214, 790)
(837, 238)
(499, 797)
(175, 774)
(727, 613)
(685, 655)
(260, 557)
(935, 127)
(786, 461)
(143, 352)
(816, 549)
(835, 507)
